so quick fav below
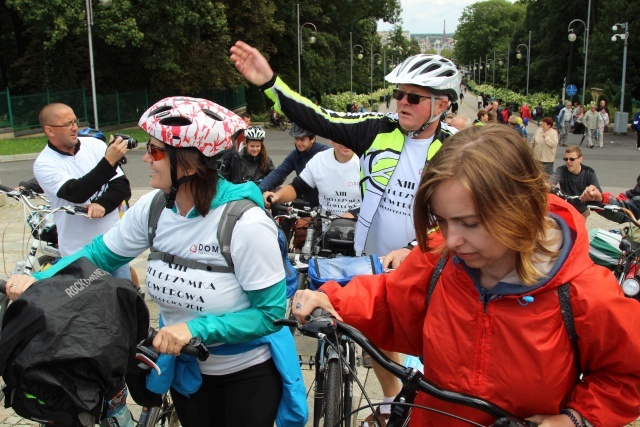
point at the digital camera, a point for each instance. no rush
(131, 142)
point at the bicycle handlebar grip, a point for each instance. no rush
(3, 286)
(270, 199)
(5, 189)
(81, 209)
(195, 347)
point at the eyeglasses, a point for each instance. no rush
(413, 98)
(570, 159)
(67, 125)
(155, 152)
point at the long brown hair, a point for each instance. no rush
(507, 187)
(263, 157)
(203, 181)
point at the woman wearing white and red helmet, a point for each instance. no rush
(232, 312)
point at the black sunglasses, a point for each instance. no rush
(570, 159)
(413, 98)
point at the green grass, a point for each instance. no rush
(35, 144)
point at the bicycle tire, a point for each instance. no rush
(267, 124)
(282, 125)
(333, 387)
(46, 261)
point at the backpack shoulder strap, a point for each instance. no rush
(435, 276)
(155, 210)
(567, 316)
(232, 212)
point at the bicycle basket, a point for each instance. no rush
(341, 269)
(45, 230)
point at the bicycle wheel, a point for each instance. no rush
(266, 124)
(333, 403)
(46, 261)
(282, 125)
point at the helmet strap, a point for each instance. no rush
(414, 133)
(175, 182)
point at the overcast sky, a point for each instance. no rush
(422, 16)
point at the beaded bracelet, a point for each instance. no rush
(572, 417)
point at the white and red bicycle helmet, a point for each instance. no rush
(181, 121)
(184, 122)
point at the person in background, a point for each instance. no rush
(335, 173)
(483, 118)
(83, 171)
(492, 117)
(544, 145)
(592, 121)
(480, 101)
(247, 118)
(256, 163)
(460, 122)
(525, 114)
(573, 177)
(564, 122)
(505, 114)
(602, 125)
(305, 148)
(635, 125)
(502, 237)
(514, 122)
(538, 113)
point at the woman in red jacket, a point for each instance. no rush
(504, 237)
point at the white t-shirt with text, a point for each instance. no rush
(392, 225)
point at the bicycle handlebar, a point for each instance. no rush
(319, 323)
(23, 197)
(595, 206)
(195, 347)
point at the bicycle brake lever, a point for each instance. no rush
(199, 349)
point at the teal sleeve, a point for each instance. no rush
(97, 252)
(245, 325)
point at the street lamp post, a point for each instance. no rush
(623, 36)
(371, 78)
(519, 56)
(585, 45)
(621, 119)
(384, 81)
(312, 40)
(360, 56)
(506, 93)
(93, 74)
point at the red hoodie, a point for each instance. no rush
(517, 356)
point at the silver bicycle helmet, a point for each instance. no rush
(254, 133)
(297, 131)
(434, 72)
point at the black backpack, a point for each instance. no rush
(66, 344)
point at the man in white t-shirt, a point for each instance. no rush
(82, 171)
(393, 151)
(335, 173)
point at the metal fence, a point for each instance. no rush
(21, 112)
